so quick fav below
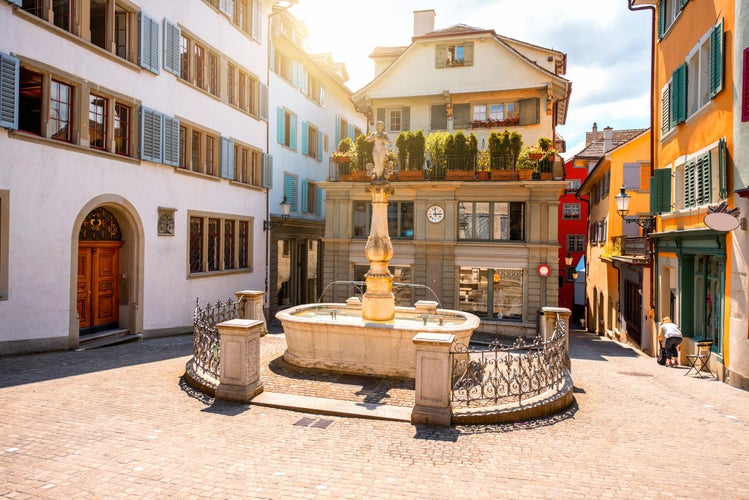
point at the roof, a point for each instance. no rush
(594, 144)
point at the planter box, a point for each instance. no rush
(411, 175)
(482, 175)
(460, 175)
(525, 175)
(502, 175)
(359, 176)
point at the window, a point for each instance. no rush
(394, 120)
(400, 219)
(61, 111)
(453, 55)
(492, 221)
(573, 185)
(575, 242)
(492, 293)
(668, 11)
(122, 123)
(198, 64)
(286, 128)
(243, 90)
(247, 165)
(4, 239)
(219, 243)
(502, 114)
(570, 211)
(311, 141)
(97, 122)
(197, 149)
(245, 15)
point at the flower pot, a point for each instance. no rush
(411, 175)
(535, 156)
(525, 175)
(460, 175)
(502, 175)
(545, 176)
(359, 176)
(345, 177)
(482, 175)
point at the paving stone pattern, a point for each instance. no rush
(120, 423)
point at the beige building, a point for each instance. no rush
(472, 245)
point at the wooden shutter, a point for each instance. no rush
(10, 70)
(679, 94)
(461, 116)
(227, 158)
(439, 117)
(406, 118)
(660, 191)
(440, 56)
(280, 126)
(264, 102)
(305, 138)
(149, 43)
(529, 111)
(666, 110)
(305, 186)
(172, 59)
(468, 54)
(267, 171)
(150, 135)
(661, 18)
(171, 141)
(716, 59)
(292, 131)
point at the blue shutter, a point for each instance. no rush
(318, 206)
(10, 71)
(319, 145)
(227, 158)
(305, 138)
(171, 141)
(716, 59)
(149, 43)
(267, 171)
(263, 102)
(280, 126)
(172, 59)
(305, 187)
(292, 131)
(151, 123)
(290, 191)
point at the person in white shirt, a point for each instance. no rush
(672, 336)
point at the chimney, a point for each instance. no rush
(423, 21)
(591, 136)
(607, 139)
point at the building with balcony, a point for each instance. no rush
(311, 111)
(134, 135)
(700, 266)
(471, 243)
(618, 275)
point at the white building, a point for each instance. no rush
(133, 136)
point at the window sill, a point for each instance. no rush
(697, 114)
(214, 274)
(185, 171)
(27, 136)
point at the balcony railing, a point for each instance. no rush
(638, 245)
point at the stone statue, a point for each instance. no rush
(381, 141)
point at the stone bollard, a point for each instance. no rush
(433, 379)
(240, 360)
(252, 306)
(548, 323)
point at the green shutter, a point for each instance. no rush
(682, 3)
(350, 131)
(305, 138)
(716, 59)
(666, 110)
(679, 94)
(690, 184)
(661, 18)
(318, 199)
(723, 169)
(10, 71)
(381, 116)
(704, 179)
(280, 126)
(338, 135)
(289, 190)
(149, 43)
(172, 59)
(660, 191)
(319, 145)
(406, 118)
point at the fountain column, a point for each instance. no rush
(378, 303)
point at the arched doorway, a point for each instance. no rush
(98, 280)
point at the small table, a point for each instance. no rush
(699, 361)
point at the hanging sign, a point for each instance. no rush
(720, 218)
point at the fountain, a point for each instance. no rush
(370, 336)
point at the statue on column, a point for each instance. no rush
(381, 142)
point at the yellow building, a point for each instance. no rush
(695, 267)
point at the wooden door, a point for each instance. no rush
(98, 284)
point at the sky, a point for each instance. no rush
(607, 46)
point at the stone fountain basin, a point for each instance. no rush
(334, 337)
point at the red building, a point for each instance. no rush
(573, 232)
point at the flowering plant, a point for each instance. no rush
(341, 157)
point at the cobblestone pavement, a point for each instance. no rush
(120, 423)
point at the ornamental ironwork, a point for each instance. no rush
(206, 340)
(503, 373)
(100, 225)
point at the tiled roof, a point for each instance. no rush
(594, 143)
(388, 51)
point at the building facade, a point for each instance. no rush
(134, 136)
(573, 236)
(311, 112)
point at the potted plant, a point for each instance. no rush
(343, 156)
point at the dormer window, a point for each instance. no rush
(454, 55)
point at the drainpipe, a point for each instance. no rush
(587, 258)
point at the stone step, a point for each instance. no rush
(107, 338)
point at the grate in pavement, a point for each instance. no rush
(304, 421)
(318, 423)
(322, 424)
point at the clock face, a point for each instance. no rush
(435, 213)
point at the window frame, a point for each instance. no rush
(571, 211)
(575, 243)
(362, 224)
(187, 149)
(491, 216)
(239, 247)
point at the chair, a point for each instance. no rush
(699, 362)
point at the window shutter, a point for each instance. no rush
(666, 110)
(461, 116)
(267, 171)
(660, 191)
(10, 70)
(290, 191)
(723, 169)
(172, 60)
(745, 89)
(227, 158)
(381, 117)
(679, 94)
(529, 111)
(150, 135)
(690, 188)
(468, 54)
(318, 200)
(257, 21)
(704, 179)
(305, 138)
(682, 3)
(292, 132)
(319, 145)
(632, 175)
(439, 117)
(661, 18)
(149, 43)
(440, 56)
(171, 141)
(280, 126)
(305, 186)
(406, 118)
(227, 7)
(264, 102)
(338, 136)
(716, 59)
(350, 131)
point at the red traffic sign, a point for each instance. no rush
(544, 270)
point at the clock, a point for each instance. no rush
(435, 214)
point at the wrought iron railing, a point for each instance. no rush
(206, 347)
(502, 373)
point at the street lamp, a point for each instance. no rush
(622, 207)
(568, 263)
(285, 209)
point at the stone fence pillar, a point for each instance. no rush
(252, 306)
(239, 378)
(433, 379)
(549, 322)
